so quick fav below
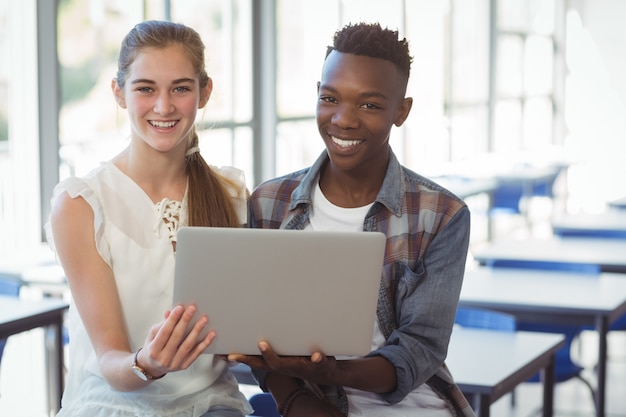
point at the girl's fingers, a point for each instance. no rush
(183, 332)
(198, 349)
(166, 327)
(193, 338)
(174, 343)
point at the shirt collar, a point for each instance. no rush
(389, 195)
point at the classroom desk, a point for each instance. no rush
(488, 364)
(620, 203)
(467, 187)
(540, 296)
(17, 315)
(609, 224)
(608, 254)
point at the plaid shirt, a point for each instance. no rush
(427, 229)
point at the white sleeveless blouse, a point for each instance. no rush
(133, 236)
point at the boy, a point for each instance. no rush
(358, 184)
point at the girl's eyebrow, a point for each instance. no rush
(147, 81)
(184, 80)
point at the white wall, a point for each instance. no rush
(596, 101)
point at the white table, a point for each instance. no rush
(467, 187)
(610, 224)
(18, 316)
(487, 364)
(552, 297)
(37, 268)
(608, 254)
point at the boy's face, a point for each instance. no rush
(359, 100)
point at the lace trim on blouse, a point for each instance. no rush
(168, 211)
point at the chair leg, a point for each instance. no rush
(591, 389)
(585, 381)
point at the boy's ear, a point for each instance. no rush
(118, 92)
(403, 111)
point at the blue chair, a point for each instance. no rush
(586, 233)
(485, 319)
(581, 268)
(264, 405)
(509, 193)
(506, 198)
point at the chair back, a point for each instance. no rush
(264, 405)
(485, 319)
(581, 268)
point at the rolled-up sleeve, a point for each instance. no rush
(426, 299)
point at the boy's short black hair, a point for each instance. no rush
(371, 40)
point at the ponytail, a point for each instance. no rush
(208, 198)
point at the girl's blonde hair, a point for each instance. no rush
(209, 200)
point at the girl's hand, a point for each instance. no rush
(168, 347)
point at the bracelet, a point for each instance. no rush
(284, 410)
(140, 372)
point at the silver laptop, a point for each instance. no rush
(301, 291)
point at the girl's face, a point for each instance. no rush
(162, 95)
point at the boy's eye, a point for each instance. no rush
(371, 106)
(328, 99)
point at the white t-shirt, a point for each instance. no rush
(132, 236)
(327, 216)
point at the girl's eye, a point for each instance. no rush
(182, 89)
(144, 89)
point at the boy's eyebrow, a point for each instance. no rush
(363, 94)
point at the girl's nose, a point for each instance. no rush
(163, 104)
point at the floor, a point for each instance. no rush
(22, 383)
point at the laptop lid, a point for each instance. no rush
(301, 291)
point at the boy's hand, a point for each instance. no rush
(317, 368)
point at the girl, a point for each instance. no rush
(114, 232)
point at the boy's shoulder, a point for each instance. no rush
(417, 183)
(283, 184)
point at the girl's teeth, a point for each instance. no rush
(162, 124)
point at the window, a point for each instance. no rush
(92, 126)
(482, 80)
(525, 60)
(19, 150)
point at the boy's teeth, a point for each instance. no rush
(345, 143)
